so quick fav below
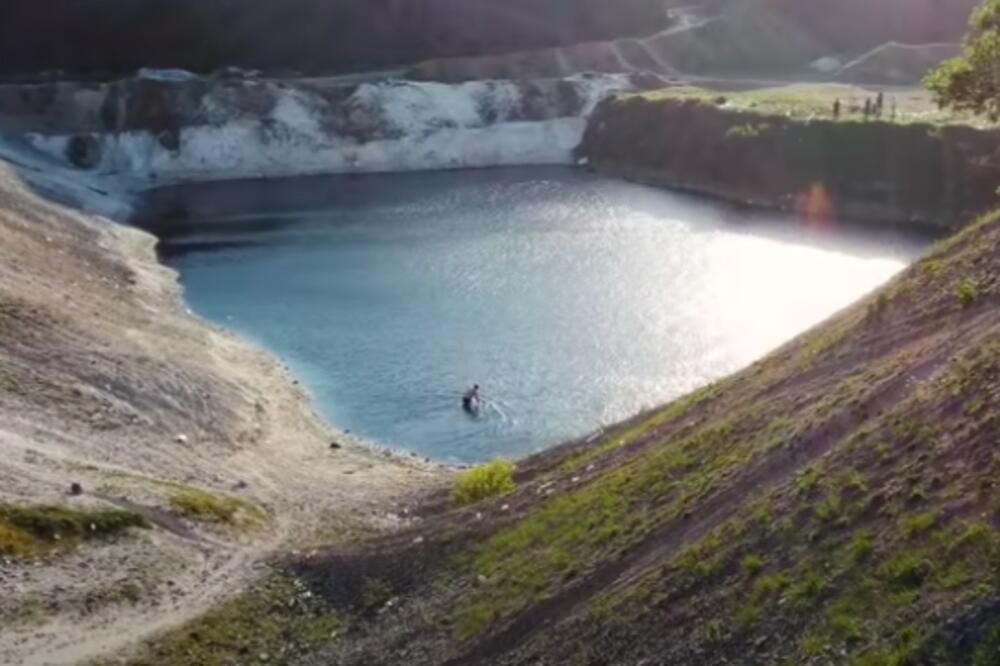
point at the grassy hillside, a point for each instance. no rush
(834, 502)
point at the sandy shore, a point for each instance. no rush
(106, 380)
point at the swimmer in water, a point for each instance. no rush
(470, 399)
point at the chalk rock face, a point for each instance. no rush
(161, 128)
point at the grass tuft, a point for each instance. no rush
(484, 481)
(275, 621)
(206, 507)
(966, 292)
(28, 531)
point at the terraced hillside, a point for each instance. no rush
(836, 502)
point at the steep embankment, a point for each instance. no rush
(835, 502)
(106, 381)
(905, 173)
(164, 127)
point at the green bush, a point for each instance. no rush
(751, 564)
(483, 481)
(966, 292)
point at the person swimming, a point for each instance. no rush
(470, 399)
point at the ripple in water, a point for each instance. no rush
(574, 300)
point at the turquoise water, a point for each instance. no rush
(574, 300)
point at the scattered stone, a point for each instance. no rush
(75, 489)
(240, 485)
(482, 580)
(418, 540)
(335, 445)
(181, 439)
(505, 507)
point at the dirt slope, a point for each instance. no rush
(834, 503)
(106, 381)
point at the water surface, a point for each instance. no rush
(574, 300)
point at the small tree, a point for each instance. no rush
(972, 81)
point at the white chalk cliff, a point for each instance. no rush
(153, 129)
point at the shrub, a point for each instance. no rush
(965, 292)
(484, 481)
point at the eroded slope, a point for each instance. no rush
(209, 453)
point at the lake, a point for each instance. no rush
(574, 300)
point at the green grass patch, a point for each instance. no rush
(279, 614)
(207, 507)
(27, 531)
(616, 439)
(907, 571)
(860, 546)
(751, 564)
(484, 481)
(918, 523)
(966, 292)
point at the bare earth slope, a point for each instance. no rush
(834, 503)
(106, 381)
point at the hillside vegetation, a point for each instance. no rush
(836, 502)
